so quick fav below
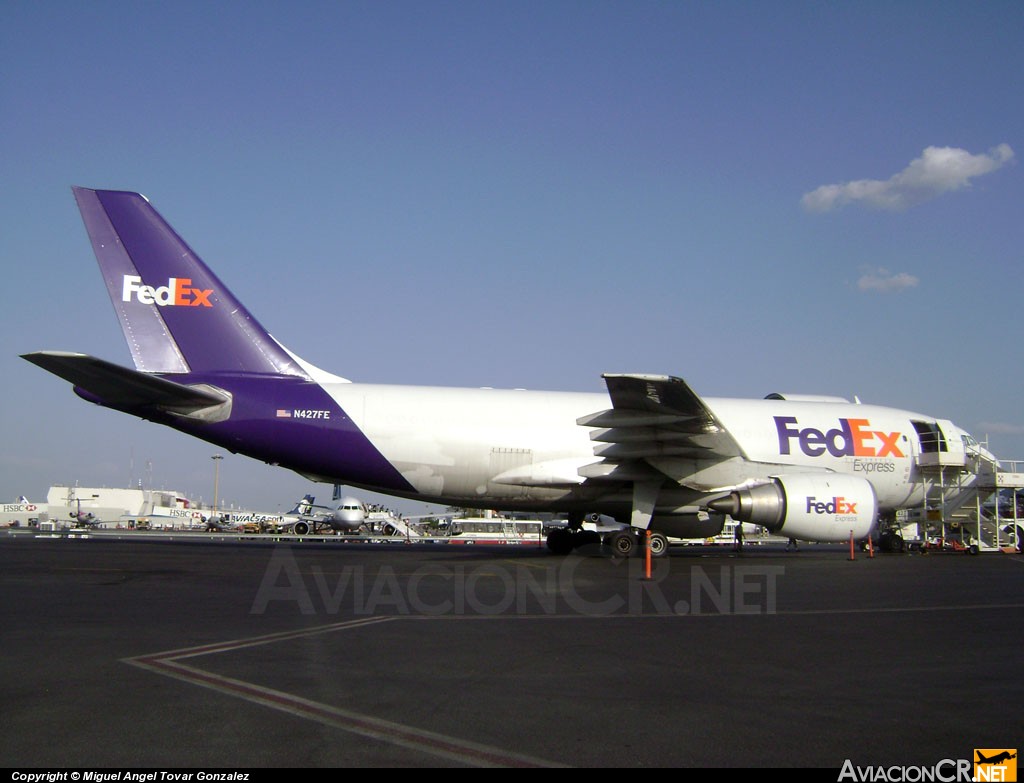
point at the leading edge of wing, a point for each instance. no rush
(118, 387)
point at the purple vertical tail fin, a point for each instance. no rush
(177, 316)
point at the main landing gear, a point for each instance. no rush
(564, 540)
(627, 543)
(561, 541)
(623, 543)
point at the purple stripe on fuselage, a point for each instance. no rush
(293, 423)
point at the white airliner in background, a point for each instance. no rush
(650, 452)
(348, 516)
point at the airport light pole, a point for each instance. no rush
(216, 479)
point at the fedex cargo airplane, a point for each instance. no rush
(649, 452)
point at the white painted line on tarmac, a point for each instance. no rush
(432, 743)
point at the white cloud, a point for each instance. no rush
(938, 170)
(884, 281)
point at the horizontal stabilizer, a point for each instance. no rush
(118, 387)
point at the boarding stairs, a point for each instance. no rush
(393, 525)
(957, 482)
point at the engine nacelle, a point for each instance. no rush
(808, 506)
(688, 525)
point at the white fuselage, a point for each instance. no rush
(451, 444)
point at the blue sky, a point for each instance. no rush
(757, 197)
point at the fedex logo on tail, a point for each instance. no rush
(177, 293)
(852, 438)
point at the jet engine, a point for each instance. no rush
(810, 506)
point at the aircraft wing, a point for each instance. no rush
(657, 425)
(118, 387)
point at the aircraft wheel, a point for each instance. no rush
(659, 545)
(890, 542)
(560, 542)
(623, 543)
(585, 537)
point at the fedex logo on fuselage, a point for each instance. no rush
(177, 293)
(852, 438)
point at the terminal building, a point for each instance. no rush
(123, 508)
